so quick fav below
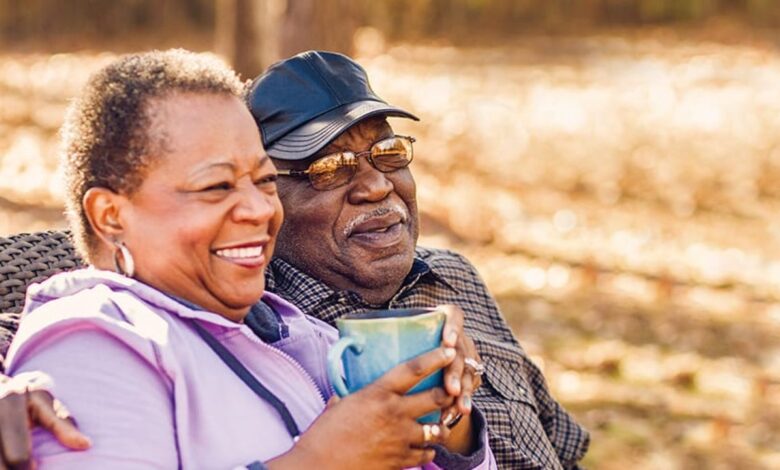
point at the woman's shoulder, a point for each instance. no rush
(89, 300)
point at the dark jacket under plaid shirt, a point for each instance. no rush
(528, 428)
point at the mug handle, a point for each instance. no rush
(334, 363)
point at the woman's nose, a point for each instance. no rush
(369, 184)
(254, 205)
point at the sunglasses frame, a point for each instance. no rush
(350, 158)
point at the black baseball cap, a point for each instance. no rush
(302, 103)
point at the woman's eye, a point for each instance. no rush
(268, 179)
(224, 186)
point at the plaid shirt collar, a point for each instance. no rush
(308, 293)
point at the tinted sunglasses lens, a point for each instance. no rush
(391, 154)
(332, 171)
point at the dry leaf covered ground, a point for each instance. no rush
(621, 198)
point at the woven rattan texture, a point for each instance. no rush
(31, 257)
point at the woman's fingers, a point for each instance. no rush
(422, 403)
(333, 401)
(15, 444)
(418, 457)
(427, 435)
(52, 415)
(404, 376)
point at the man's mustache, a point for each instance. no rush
(393, 208)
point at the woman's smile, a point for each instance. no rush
(248, 255)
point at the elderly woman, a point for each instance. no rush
(157, 347)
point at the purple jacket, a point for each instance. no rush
(150, 392)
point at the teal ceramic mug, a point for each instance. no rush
(374, 342)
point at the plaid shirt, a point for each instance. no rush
(528, 428)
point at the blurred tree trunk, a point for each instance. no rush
(253, 34)
(320, 24)
(237, 36)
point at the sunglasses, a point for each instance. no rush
(337, 169)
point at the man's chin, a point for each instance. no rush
(381, 250)
(379, 267)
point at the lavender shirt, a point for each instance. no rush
(151, 393)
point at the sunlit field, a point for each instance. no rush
(620, 196)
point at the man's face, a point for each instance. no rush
(360, 236)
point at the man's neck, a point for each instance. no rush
(377, 294)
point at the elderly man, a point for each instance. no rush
(349, 236)
(348, 244)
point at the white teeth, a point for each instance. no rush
(252, 252)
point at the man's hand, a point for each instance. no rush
(24, 404)
(460, 380)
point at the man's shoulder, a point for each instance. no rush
(441, 257)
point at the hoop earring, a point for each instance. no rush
(127, 258)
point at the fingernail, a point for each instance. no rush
(449, 353)
(455, 382)
(467, 402)
(452, 337)
(84, 442)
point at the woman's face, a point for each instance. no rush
(203, 223)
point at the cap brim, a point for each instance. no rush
(308, 139)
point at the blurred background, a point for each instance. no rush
(612, 167)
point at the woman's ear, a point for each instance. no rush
(103, 209)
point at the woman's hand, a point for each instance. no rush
(460, 379)
(23, 405)
(377, 427)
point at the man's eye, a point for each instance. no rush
(224, 186)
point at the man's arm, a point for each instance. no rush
(516, 389)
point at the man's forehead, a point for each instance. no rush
(368, 129)
(373, 128)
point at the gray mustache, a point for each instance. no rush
(394, 208)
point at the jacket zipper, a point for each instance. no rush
(290, 360)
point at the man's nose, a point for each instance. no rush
(369, 184)
(253, 205)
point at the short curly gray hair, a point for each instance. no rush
(105, 136)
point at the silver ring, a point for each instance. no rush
(452, 420)
(430, 431)
(478, 368)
